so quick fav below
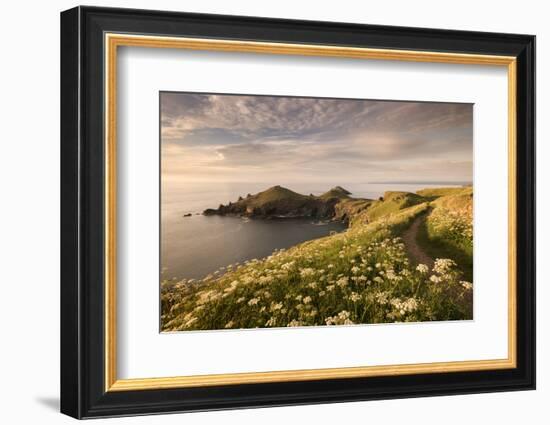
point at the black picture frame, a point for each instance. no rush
(83, 392)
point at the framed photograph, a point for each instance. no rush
(261, 212)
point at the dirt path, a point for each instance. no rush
(414, 251)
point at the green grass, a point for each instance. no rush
(392, 203)
(438, 247)
(279, 193)
(350, 209)
(455, 202)
(273, 194)
(447, 231)
(444, 191)
(336, 192)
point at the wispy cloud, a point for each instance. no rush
(216, 137)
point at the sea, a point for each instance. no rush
(195, 246)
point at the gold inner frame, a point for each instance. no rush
(113, 41)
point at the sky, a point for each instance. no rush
(215, 138)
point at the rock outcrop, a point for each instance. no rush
(280, 202)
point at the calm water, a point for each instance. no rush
(192, 247)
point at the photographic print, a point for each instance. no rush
(203, 199)
(281, 211)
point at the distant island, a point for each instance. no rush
(280, 202)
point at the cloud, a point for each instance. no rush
(230, 136)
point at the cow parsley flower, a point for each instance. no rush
(423, 268)
(466, 285)
(435, 279)
(354, 296)
(342, 318)
(342, 282)
(307, 272)
(443, 265)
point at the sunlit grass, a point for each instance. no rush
(448, 231)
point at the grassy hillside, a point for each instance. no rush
(273, 194)
(391, 203)
(444, 191)
(362, 275)
(448, 229)
(351, 209)
(336, 192)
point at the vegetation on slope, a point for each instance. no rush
(362, 275)
(350, 209)
(448, 230)
(273, 194)
(444, 191)
(336, 192)
(391, 203)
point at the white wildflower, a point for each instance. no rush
(271, 322)
(422, 268)
(381, 297)
(288, 266)
(341, 318)
(342, 282)
(354, 296)
(231, 287)
(466, 285)
(435, 279)
(253, 301)
(404, 306)
(307, 272)
(266, 280)
(276, 306)
(443, 265)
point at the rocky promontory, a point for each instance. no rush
(280, 202)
